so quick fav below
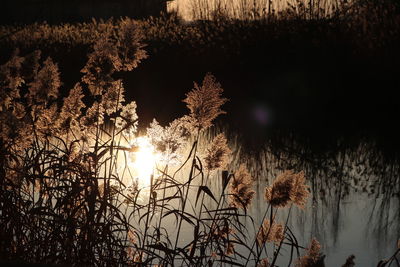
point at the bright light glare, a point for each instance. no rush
(143, 161)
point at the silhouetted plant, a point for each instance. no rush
(68, 192)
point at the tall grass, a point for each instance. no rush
(70, 192)
(365, 24)
(254, 9)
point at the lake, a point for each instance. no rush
(353, 207)
(354, 203)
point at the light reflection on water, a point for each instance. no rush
(354, 207)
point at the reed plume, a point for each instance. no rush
(11, 78)
(71, 111)
(288, 187)
(169, 140)
(240, 188)
(127, 121)
(270, 233)
(312, 257)
(204, 102)
(46, 83)
(218, 153)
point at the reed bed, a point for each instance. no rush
(69, 192)
(252, 9)
(365, 24)
(80, 186)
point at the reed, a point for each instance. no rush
(366, 24)
(79, 185)
(69, 192)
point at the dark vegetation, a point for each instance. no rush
(322, 78)
(325, 80)
(58, 11)
(69, 194)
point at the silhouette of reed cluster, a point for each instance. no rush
(69, 193)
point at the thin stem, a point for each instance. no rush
(213, 221)
(280, 244)
(147, 217)
(258, 232)
(202, 197)
(187, 192)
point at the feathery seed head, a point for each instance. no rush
(204, 102)
(312, 257)
(94, 115)
(300, 192)
(46, 83)
(270, 233)
(71, 110)
(169, 140)
(287, 187)
(278, 194)
(102, 63)
(218, 154)
(130, 48)
(113, 98)
(240, 189)
(127, 120)
(10, 79)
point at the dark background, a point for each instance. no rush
(56, 11)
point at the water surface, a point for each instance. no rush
(354, 203)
